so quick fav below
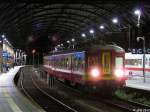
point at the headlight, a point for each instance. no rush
(95, 72)
(119, 72)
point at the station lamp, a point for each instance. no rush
(83, 35)
(68, 41)
(56, 49)
(72, 39)
(137, 12)
(33, 51)
(115, 20)
(91, 31)
(61, 44)
(101, 27)
(3, 36)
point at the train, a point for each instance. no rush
(134, 65)
(100, 67)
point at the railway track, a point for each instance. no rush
(46, 101)
(127, 106)
(29, 91)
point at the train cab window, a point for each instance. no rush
(93, 60)
(119, 62)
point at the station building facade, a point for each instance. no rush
(7, 55)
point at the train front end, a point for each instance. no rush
(105, 67)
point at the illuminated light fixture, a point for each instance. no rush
(95, 72)
(137, 12)
(33, 51)
(115, 20)
(61, 44)
(68, 41)
(58, 45)
(83, 35)
(3, 36)
(56, 49)
(91, 31)
(119, 72)
(101, 27)
(72, 39)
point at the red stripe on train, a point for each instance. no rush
(138, 69)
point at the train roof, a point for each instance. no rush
(108, 47)
(92, 49)
(114, 47)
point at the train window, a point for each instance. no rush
(69, 62)
(92, 60)
(146, 61)
(64, 63)
(139, 62)
(119, 62)
(136, 62)
(78, 62)
(75, 64)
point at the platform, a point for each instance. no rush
(138, 83)
(11, 100)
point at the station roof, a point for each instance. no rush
(26, 21)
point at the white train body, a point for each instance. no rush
(134, 65)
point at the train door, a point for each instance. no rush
(93, 68)
(106, 62)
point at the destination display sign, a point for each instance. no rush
(139, 51)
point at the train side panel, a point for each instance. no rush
(68, 66)
(134, 65)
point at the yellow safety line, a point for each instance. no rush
(11, 102)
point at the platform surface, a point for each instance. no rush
(138, 83)
(11, 100)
